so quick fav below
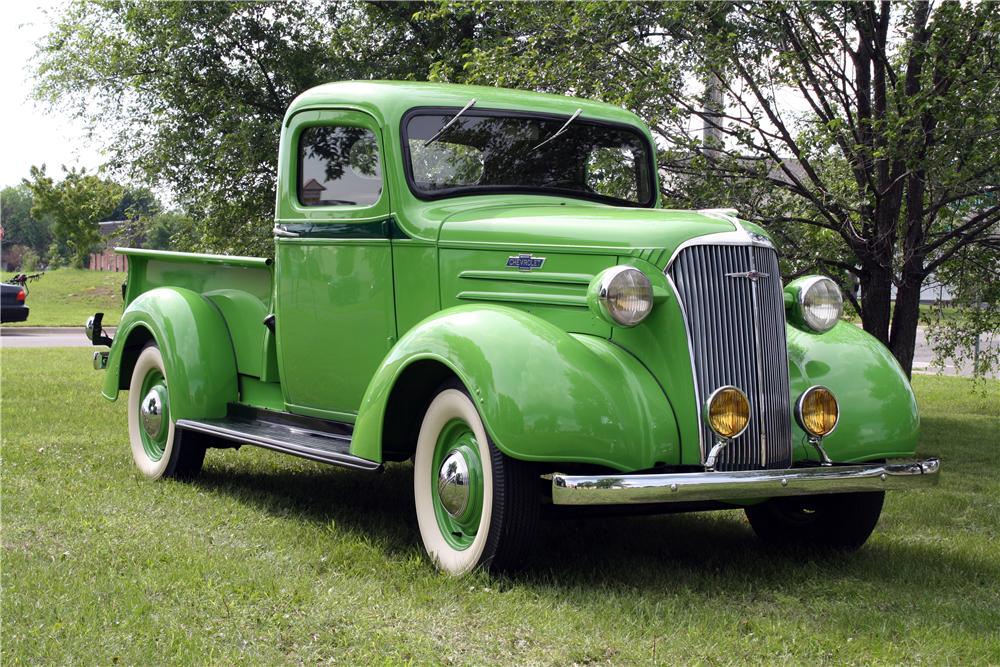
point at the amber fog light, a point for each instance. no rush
(817, 411)
(727, 412)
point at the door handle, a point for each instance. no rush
(281, 231)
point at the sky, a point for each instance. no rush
(31, 134)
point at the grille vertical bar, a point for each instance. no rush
(736, 332)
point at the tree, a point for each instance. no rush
(19, 226)
(885, 171)
(136, 202)
(192, 94)
(76, 204)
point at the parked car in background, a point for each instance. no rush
(12, 298)
(484, 281)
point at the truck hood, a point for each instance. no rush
(651, 233)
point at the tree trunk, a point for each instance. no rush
(876, 294)
(905, 318)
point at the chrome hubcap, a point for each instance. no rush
(453, 484)
(152, 411)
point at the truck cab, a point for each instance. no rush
(484, 281)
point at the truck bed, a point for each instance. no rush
(240, 287)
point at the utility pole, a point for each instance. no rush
(712, 136)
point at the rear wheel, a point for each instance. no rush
(476, 507)
(840, 521)
(158, 449)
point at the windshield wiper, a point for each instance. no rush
(559, 131)
(449, 123)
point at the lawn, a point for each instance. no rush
(272, 560)
(67, 297)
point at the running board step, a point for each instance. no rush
(309, 444)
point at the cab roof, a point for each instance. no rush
(389, 100)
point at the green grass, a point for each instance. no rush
(272, 560)
(67, 297)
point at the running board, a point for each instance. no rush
(331, 448)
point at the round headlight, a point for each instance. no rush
(821, 303)
(621, 295)
(817, 411)
(727, 412)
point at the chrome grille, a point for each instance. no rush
(736, 333)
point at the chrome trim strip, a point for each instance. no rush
(628, 489)
(755, 309)
(690, 346)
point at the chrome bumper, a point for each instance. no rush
(742, 485)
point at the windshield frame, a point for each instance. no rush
(472, 190)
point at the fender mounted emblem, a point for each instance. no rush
(525, 262)
(752, 275)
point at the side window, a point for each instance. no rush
(338, 166)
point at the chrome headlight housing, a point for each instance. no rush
(621, 295)
(817, 411)
(819, 301)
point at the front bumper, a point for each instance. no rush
(628, 489)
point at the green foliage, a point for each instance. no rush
(76, 204)
(19, 227)
(30, 261)
(192, 94)
(168, 231)
(975, 277)
(266, 559)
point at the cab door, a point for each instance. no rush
(334, 315)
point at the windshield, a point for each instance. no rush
(496, 151)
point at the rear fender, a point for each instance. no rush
(196, 347)
(544, 394)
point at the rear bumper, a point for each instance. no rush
(742, 485)
(13, 313)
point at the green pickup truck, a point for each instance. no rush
(483, 281)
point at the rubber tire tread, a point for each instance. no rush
(516, 508)
(842, 521)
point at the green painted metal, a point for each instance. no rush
(258, 394)
(459, 531)
(878, 412)
(334, 305)
(188, 257)
(544, 394)
(194, 341)
(240, 287)
(361, 293)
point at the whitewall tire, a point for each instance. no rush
(157, 447)
(475, 506)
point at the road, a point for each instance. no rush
(44, 337)
(73, 337)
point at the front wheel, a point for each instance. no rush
(158, 449)
(476, 507)
(839, 521)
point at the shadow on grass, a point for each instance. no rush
(710, 553)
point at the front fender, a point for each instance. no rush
(878, 411)
(196, 347)
(544, 394)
